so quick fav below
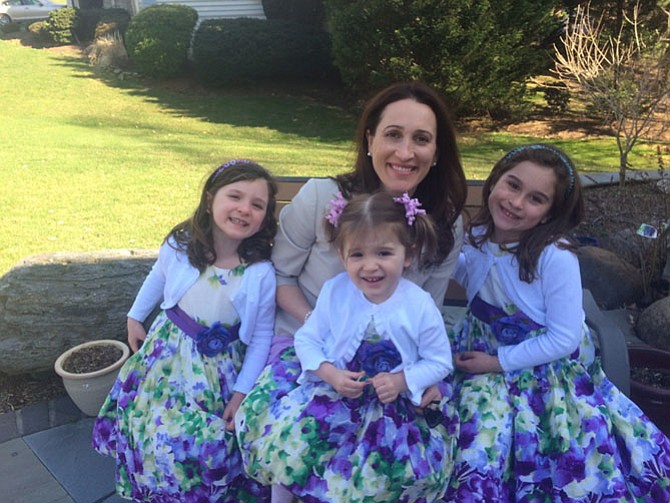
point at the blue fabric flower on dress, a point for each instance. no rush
(512, 329)
(215, 339)
(379, 357)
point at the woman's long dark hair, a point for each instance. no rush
(194, 235)
(444, 190)
(566, 212)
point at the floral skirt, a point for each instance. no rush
(326, 448)
(558, 432)
(162, 421)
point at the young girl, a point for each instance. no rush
(168, 418)
(540, 421)
(375, 341)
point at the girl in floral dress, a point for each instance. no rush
(351, 430)
(168, 418)
(540, 421)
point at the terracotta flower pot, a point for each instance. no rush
(88, 390)
(654, 401)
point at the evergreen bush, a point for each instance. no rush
(229, 51)
(158, 39)
(60, 25)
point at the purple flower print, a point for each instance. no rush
(379, 357)
(215, 339)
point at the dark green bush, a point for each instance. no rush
(557, 98)
(228, 51)
(158, 39)
(60, 25)
(478, 53)
(89, 19)
(309, 12)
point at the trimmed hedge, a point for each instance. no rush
(61, 23)
(158, 39)
(233, 51)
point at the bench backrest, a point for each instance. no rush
(290, 185)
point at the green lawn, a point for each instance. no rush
(92, 162)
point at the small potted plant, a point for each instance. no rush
(650, 383)
(88, 371)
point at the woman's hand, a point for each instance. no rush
(136, 334)
(388, 386)
(430, 396)
(477, 362)
(231, 409)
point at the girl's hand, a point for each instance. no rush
(136, 334)
(346, 383)
(388, 386)
(477, 362)
(231, 409)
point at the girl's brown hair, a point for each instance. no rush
(365, 213)
(444, 190)
(566, 212)
(194, 235)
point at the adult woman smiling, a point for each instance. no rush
(405, 142)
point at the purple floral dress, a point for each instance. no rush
(326, 448)
(162, 420)
(558, 432)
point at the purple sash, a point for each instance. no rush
(210, 341)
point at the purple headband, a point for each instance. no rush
(234, 162)
(411, 205)
(538, 146)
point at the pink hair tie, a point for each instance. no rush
(411, 207)
(336, 208)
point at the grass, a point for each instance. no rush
(91, 162)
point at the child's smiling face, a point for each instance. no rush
(375, 263)
(521, 200)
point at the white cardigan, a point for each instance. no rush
(553, 299)
(409, 318)
(172, 275)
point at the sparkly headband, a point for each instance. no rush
(234, 162)
(411, 205)
(566, 162)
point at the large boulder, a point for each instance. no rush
(653, 324)
(613, 282)
(49, 303)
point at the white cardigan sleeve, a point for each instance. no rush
(257, 318)
(561, 296)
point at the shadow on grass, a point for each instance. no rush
(320, 111)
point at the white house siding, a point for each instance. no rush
(209, 9)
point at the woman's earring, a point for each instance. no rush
(369, 154)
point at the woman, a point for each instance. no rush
(405, 142)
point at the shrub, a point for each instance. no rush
(158, 39)
(60, 25)
(309, 12)
(227, 51)
(88, 21)
(479, 54)
(557, 98)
